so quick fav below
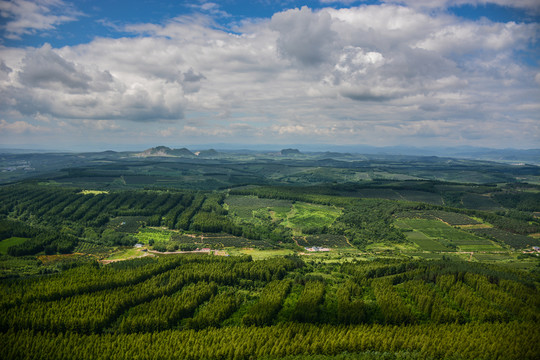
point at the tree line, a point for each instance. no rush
(513, 340)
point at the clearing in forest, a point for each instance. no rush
(305, 216)
(438, 231)
(6, 243)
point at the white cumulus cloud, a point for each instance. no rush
(23, 17)
(360, 74)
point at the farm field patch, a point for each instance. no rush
(124, 254)
(450, 218)
(453, 218)
(437, 229)
(480, 247)
(494, 257)
(424, 242)
(93, 192)
(89, 247)
(309, 216)
(243, 206)
(6, 243)
(428, 244)
(170, 238)
(258, 254)
(227, 241)
(475, 226)
(434, 235)
(433, 255)
(515, 241)
(157, 235)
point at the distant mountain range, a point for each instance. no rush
(513, 156)
(530, 156)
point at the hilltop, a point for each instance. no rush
(166, 151)
(290, 152)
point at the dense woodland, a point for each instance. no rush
(204, 306)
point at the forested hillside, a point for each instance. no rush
(204, 306)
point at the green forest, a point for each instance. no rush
(313, 267)
(201, 306)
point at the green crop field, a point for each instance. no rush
(416, 235)
(433, 256)
(309, 216)
(454, 218)
(159, 236)
(438, 230)
(480, 247)
(124, 254)
(450, 218)
(299, 216)
(402, 225)
(494, 257)
(433, 235)
(279, 212)
(243, 206)
(17, 267)
(514, 240)
(258, 254)
(430, 245)
(424, 242)
(6, 243)
(87, 247)
(231, 241)
(459, 241)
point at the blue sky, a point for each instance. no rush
(90, 74)
(98, 18)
